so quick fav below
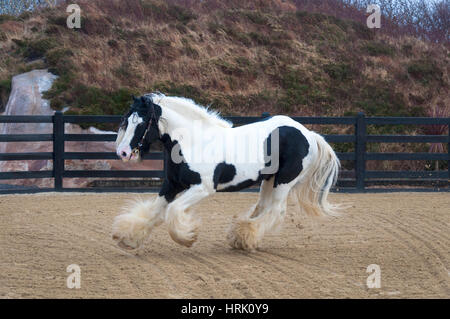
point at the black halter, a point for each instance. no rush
(138, 149)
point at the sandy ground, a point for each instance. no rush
(406, 234)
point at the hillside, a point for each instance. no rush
(241, 58)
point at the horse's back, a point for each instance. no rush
(293, 143)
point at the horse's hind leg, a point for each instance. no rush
(247, 230)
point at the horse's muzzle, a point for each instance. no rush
(126, 154)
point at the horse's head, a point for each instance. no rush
(138, 129)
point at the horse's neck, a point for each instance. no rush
(175, 123)
(190, 133)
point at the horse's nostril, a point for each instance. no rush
(124, 154)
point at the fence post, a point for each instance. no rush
(58, 150)
(360, 150)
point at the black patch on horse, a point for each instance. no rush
(293, 148)
(223, 173)
(242, 185)
(178, 176)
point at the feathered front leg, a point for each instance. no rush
(183, 225)
(132, 228)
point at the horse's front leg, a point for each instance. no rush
(182, 223)
(132, 228)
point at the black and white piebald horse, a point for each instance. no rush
(206, 154)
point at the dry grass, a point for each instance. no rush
(131, 44)
(243, 57)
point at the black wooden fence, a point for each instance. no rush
(353, 181)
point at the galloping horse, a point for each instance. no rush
(206, 154)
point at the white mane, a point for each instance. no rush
(188, 107)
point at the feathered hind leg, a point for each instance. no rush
(248, 229)
(132, 228)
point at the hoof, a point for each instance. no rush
(187, 240)
(183, 228)
(122, 244)
(243, 235)
(130, 231)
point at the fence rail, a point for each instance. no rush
(356, 179)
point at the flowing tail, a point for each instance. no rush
(312, 190)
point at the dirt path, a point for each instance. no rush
(406, 234)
